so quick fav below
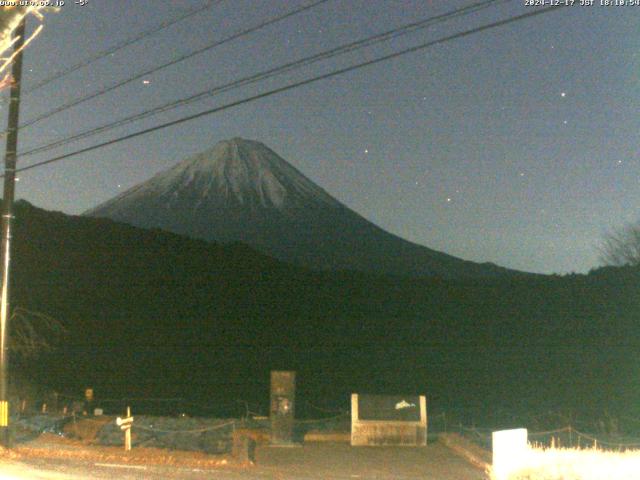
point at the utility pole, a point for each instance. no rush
(7, 218)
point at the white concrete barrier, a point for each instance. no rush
(509, 451)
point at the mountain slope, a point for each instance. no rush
(242, 191)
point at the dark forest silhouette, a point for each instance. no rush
(153, 313)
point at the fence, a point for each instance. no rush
(172, 406)
(209, 434)
(565, 437)
(546, 428)
(607, 432)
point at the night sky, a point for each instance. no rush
(518, 145)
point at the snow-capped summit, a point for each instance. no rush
(240, 190)
(246, 172)
(233, 172)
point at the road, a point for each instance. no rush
(326, 461)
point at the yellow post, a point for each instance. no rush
(4, 413)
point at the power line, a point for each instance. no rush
(119, 46)
(350, 47)
(182, 58)
(296, 85)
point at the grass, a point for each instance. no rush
(542, 463)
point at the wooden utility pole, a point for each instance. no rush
(7, 218)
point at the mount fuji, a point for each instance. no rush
(242, 191)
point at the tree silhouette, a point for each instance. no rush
(621, 246)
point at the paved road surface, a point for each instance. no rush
(311, 461)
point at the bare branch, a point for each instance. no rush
(33, 333)
(621, 246)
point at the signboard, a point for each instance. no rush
(125, 425)
(389, 407)
(388, 420)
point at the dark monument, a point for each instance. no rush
(282, 411)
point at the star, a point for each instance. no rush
(146, 82)
(366, 150)
(448, 199)
(563, 94)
